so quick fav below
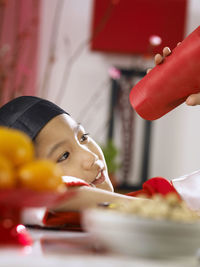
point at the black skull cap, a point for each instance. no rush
(28, 114)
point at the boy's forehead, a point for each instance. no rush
(65, 122)
(58, 131)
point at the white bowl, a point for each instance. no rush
(143, 237)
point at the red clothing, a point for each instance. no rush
(69, 220)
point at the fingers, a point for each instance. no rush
(166, 51)
(148, 70)
(158, 59)
(193, 100)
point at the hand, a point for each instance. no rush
(193, 99)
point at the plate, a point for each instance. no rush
(132, 235)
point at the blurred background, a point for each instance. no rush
(86, 55)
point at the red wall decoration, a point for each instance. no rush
(125, 26)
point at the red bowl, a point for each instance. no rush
(12, 202)
(23, 198)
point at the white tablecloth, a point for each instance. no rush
(57, 249)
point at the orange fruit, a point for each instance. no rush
(7, 177)
(41, 175)
(16, 146)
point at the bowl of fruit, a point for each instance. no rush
(25, 182)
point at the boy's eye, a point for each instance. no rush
(63, 157)
(84, 137)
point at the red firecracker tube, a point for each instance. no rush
(169, 84)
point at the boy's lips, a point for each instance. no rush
(100, 178)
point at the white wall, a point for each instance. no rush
(175, 142)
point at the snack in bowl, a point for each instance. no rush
(154, 228)
(169, 207)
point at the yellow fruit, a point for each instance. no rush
(16, 146)
(7, 178)
(41, 175)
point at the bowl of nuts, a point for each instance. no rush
(162, 227)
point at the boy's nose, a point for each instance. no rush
(88, 160)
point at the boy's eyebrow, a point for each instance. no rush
(55, 147)
(77, 128)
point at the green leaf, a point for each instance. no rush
(110, 153)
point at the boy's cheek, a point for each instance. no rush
(107, 186)
(95, 148)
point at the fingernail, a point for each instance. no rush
(190, 101)
(167, 50)
(148, 70)
(158, 58)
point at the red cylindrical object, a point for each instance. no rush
(169, 84)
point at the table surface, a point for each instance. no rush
(76, 249)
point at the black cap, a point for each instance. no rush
(28, 114)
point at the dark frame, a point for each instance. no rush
(114, 97)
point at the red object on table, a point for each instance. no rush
(153, 186)
(169, 84)
(11, 231)
(12, 202)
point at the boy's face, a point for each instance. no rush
(66, 143)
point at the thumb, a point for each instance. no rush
(193, 100)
